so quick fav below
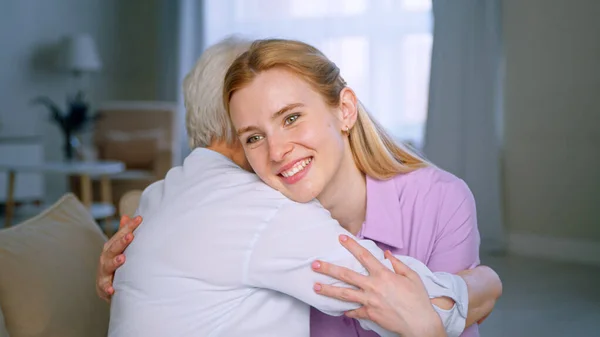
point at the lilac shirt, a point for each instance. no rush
(428, 214)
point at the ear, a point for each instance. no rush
(348, 107)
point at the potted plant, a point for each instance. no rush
(75, 118)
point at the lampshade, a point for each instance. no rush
(80, 54)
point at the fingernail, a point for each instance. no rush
(317, 287)
(343, 238)
(316, 265)
(138, 218)
(128, 237)
(119, 259)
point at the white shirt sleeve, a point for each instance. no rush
(298, 234)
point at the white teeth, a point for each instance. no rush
(297, 168)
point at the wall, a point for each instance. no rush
(552, 125)
(126, 33)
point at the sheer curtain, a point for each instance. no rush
(463, 132)
(382, 47)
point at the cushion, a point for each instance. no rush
(48, 270)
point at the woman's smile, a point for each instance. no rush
(295, 171)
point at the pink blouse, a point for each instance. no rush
(428, 214)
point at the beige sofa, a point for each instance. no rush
(47, 274)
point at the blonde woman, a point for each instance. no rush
(306, 134)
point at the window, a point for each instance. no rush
(383, 47)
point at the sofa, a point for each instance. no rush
(47, 274)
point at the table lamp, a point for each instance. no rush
(80, 55)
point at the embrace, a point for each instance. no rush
(294, 215)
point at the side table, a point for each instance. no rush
(85, 171)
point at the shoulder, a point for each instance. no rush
(429, 190)
(452, 200)
(437, 192)
(207, 179)
(435, 182)
(311, 211)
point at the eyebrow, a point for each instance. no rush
(274, 116)
(286, 109)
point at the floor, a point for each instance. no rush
(544, 298)
(541, 298)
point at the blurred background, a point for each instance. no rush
(504, 94)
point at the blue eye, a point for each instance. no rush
(253, 139)
(291, 119)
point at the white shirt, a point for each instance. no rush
(219, 253)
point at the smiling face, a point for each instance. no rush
(291, 137)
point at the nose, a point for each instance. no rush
(279, 148)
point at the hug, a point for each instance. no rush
(295, 214)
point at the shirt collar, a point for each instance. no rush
(383, 221)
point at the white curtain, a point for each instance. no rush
(180, 41)
(463, 129)
(382, 47)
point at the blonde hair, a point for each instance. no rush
(206, 119)
(375, 152)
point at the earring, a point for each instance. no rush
(346, 129)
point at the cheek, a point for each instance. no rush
(251, 159)
(317, 135)
(258, 161)
(329, 139)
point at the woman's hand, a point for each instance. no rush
(112, 256)
(398, 301)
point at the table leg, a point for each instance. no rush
(86, 190)
(106, 195)
(10, 201)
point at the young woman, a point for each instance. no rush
(306, 134)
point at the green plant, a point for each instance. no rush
(75, 118)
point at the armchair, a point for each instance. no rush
(143, 135)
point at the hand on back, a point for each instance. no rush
(112, 256)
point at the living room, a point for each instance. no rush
(529, 159)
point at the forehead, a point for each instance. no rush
(270, 91)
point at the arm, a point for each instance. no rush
(394, 312)
(398, 300)
(457, 250)
(485, 288)
(299, 234)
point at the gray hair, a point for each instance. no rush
(206, 119)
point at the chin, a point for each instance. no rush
(299, 197)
